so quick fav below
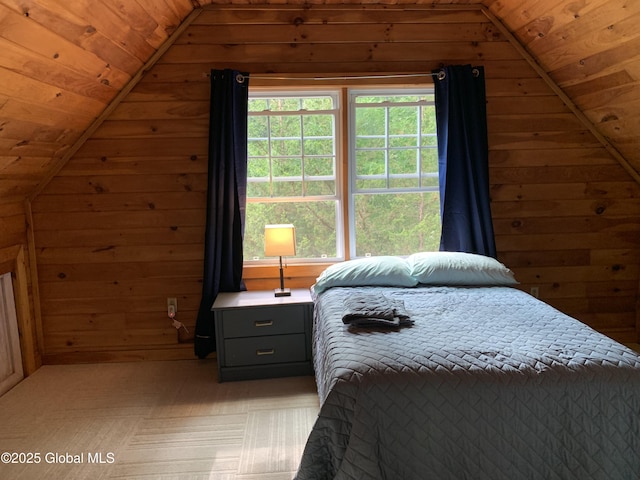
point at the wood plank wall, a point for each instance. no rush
(120, 228)
(12, 224)
(14, 259)
(592, 49)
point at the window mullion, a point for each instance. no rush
(419, 145)
(302, 156)
(345, 194)
(386, 145)
(270, 149)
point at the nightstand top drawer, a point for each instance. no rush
(259, 298)
(250, 322)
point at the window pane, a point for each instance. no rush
(371, 162)
(287, 188)
(317, 103)
(403, 120)
(371, 170)
(315, 224)
(403, 162)
(319, 166)
(429, 167)
(285, 132)
(428, 114)
(284, 104)
(258, 147)
(407, 141)
(319, 176)
(318, 146)
(286, 167)
(281, 147)
(258, 127)
(429, 140)
(396, 126)
(317, 125)
(371, 121)
(258, 167)
(396, 224)
(320, 187)
(258, 189)
(371, 184)
(258, 104)
(364, 142)
(403, 169)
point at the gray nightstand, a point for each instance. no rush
(259, 335)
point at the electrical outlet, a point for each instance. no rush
(172, 307)
(535, 291)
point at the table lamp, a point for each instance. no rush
(280, 241)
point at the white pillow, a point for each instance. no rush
(382, 270)
(458, 268)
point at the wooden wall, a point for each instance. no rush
(12, 224)
(592, 50)
(120, 228)
(14, 259)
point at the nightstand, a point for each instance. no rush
(259, 335)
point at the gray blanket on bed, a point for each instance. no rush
(365, 310)
(488, 384)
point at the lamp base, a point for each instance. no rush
(282, 292)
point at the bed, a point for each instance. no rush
(478, 380)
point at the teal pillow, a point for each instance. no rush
(384, 270)
(458, 268)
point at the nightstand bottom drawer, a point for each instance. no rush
(265, 350)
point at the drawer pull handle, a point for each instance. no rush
(263, 323)
(265, 351)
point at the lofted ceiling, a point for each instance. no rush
(63, 65)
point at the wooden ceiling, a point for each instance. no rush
(63, 65)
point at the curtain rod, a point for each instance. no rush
(440, 75)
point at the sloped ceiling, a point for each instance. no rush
(62, 64)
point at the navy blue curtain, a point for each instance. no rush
(463, 158)
(226, 198)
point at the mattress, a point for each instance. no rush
(484, 383)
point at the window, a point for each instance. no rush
(292, 172)
(394, 196)
(295, 171)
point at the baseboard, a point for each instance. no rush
(177, 352)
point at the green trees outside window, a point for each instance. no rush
(295, 171)
(395, 205)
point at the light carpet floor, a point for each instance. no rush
(154, 420)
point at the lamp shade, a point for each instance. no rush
(279, 240)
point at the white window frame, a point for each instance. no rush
(353, 190)
(345, 187)
(338, 197)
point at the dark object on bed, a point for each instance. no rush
(363, 310)
(489, 383)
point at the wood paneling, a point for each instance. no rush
(120, 227)
(591, 49)
(63, 63)
(14, 260)
(78, 50)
